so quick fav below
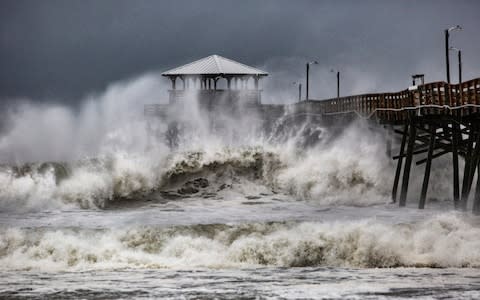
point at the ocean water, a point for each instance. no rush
(216, 227)
(230, 215)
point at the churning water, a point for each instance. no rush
(89, 208)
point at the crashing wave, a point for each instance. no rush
(443, 241)
(333, 173)
(96, 182)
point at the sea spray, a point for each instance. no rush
(107, 154)
(351, 169)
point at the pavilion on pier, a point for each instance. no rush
(216, 79)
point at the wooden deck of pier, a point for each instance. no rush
(435, 118)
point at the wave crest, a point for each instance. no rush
(442, 241)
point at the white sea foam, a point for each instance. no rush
(353, 169)
(445, 240)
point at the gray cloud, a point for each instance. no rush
(62, 50)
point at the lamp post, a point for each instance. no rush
(308, 71)
(459, 53)
(447, 36)
(338, 81)
(299, 90)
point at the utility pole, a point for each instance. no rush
(338, 84)
(299, 90)
(447, 56)
(460, 66)
(459, 54)
(447, 48)
(308, 73)
(338, 81)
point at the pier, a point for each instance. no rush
(436, 118)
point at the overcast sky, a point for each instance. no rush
(63, 50)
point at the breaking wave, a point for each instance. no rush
(446, 240)
(96, 182)
(332, 174)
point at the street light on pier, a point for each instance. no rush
(308, 71)
(338, 81)
(299, 90)
(459, 52)
(447, 47)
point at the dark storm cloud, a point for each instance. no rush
(65, 49)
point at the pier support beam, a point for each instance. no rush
(426, 177)
(471, 161)
(412, 133)
(476, 201)
(399, 164)
(456, 137)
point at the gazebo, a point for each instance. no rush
(203, 76)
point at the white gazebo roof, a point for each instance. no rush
(214, 65)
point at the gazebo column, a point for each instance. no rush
(256, 82)
(183, 82)
(229, 83)
(173, 79)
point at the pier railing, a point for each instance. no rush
(434, 97)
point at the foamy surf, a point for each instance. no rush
(330, 174)
(446, 240)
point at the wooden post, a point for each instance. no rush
(399, 163)
(467, 171)
(476, 201)
(428, 165)
(471, 163)
(408, 160)
(456, 180)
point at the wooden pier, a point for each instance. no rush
(434, 118)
